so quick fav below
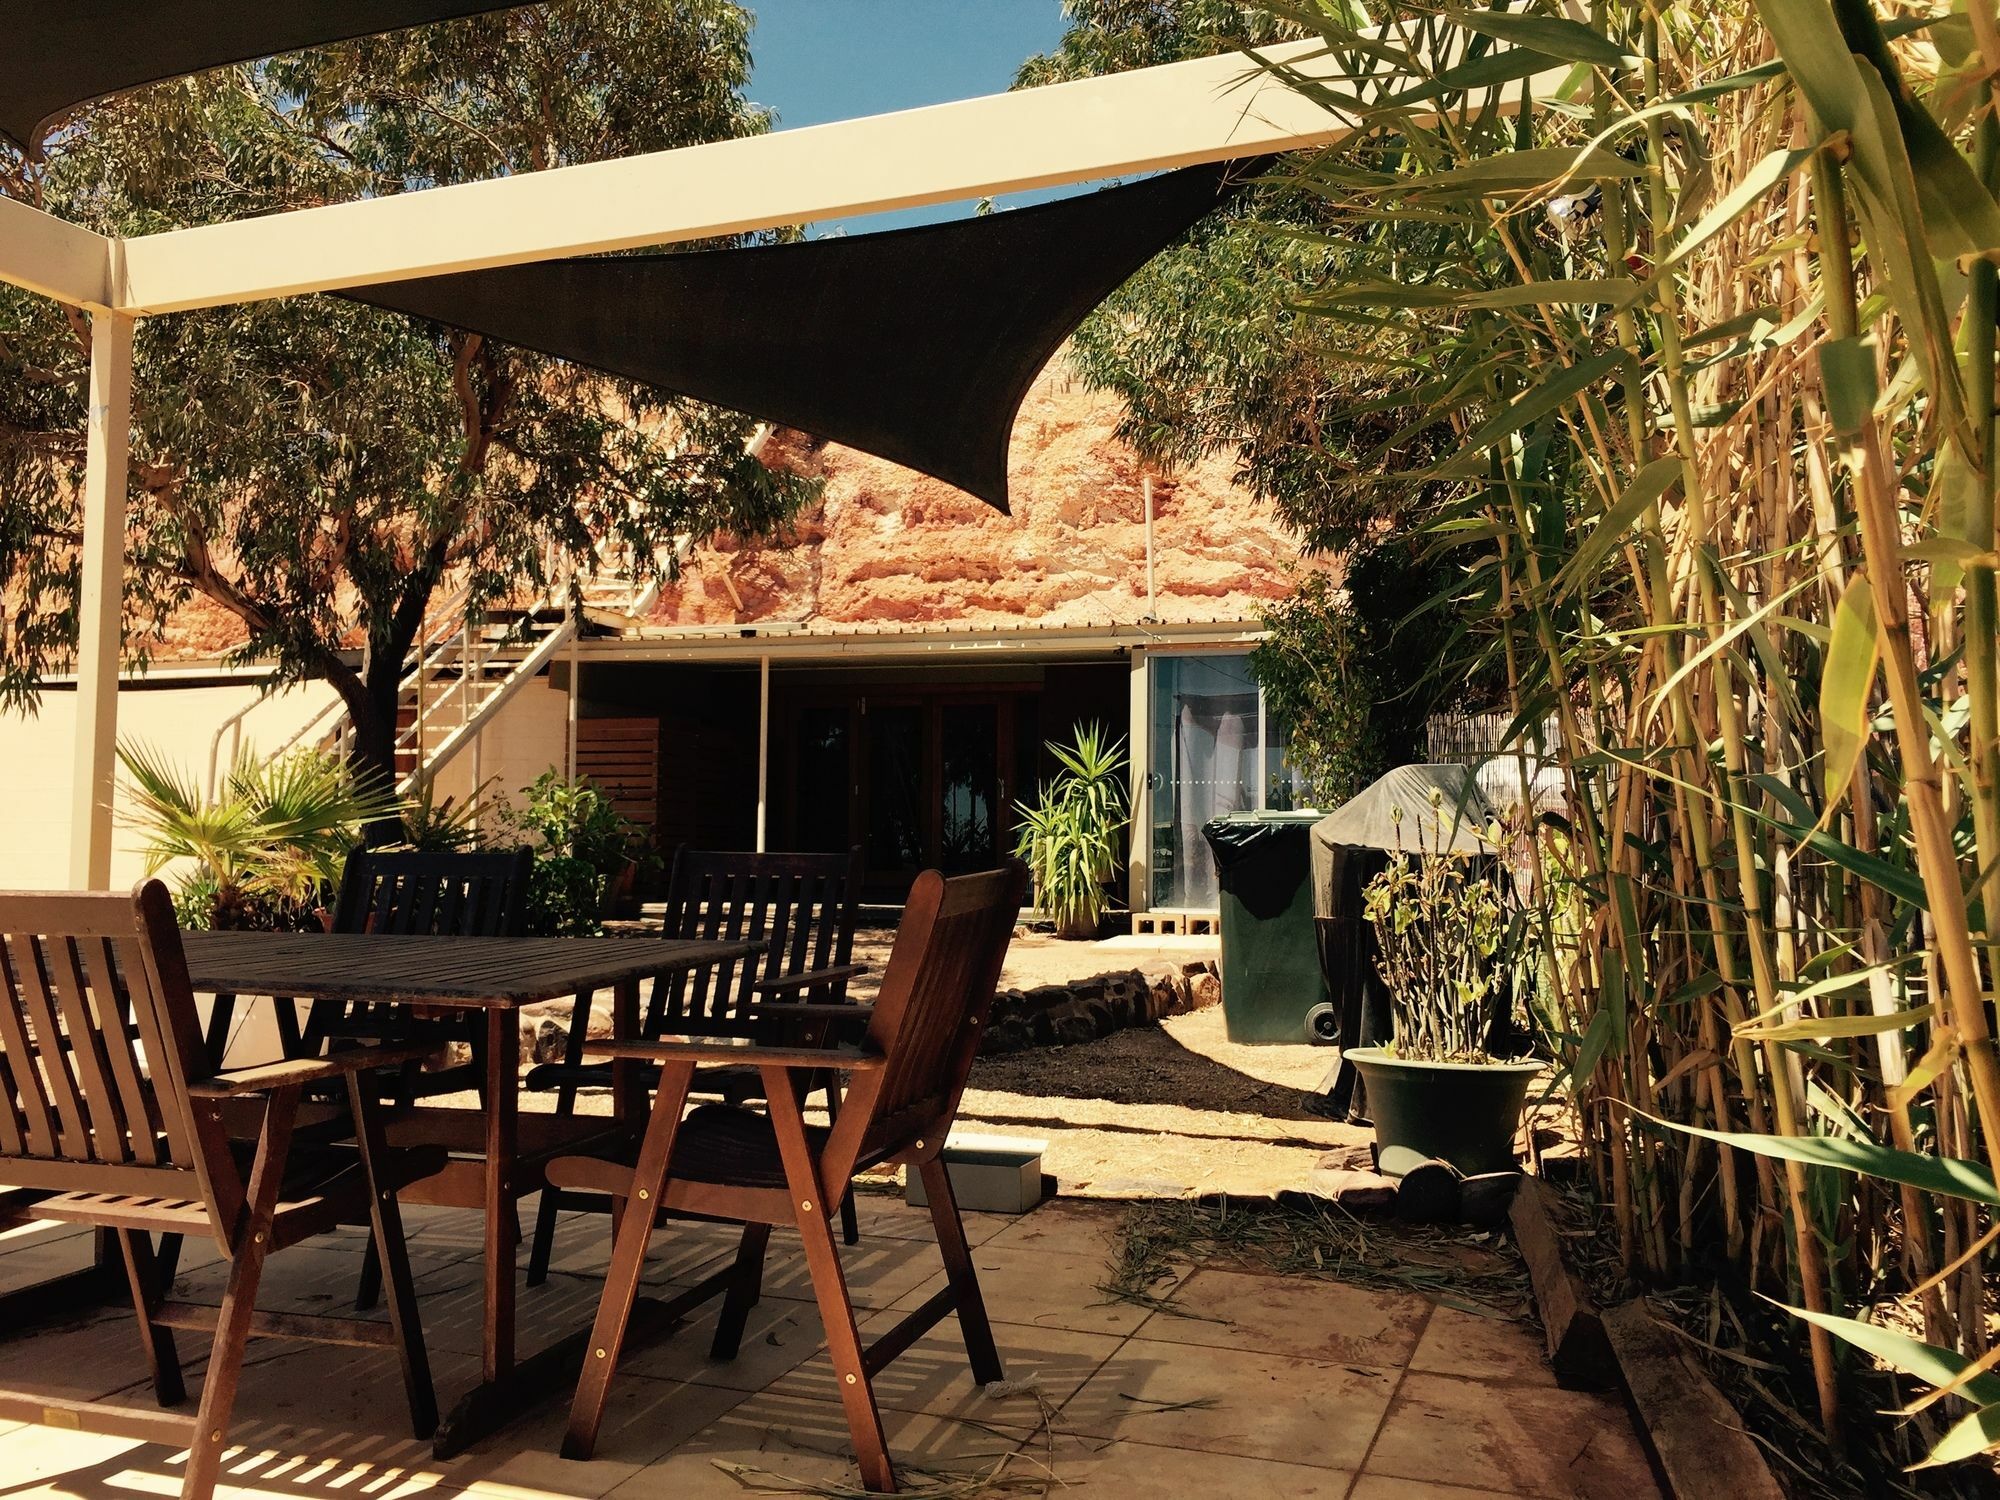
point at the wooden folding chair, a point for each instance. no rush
(771, 1168)
(111, 1114)
(804, 908)
(403, 892)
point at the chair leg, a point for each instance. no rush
(745, 1287)
(553, 1202)
(142, 1271)
(628, 1259)
(959, 1270)
(850, 1223)
(836, 1308)
(544, 1246)
(392, 1261)
(368, 1289)
(239, 1299)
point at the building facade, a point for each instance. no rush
(889, 675)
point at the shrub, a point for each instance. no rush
(263, 853)
(1070, 837)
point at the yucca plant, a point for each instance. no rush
(270, 845)
(1070, 837)
(1706, 299)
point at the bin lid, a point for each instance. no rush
(1396, 812)
(1241, 835)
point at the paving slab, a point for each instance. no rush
(1563, 1445)
(1328, 1322)
(1229, 1401)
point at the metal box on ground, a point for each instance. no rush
(990, 1174)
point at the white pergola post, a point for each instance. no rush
(1138, 767)
(101, 600)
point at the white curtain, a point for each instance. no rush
(1215, 761)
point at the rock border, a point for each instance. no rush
(1049, 1015)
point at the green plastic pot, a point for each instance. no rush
(1463, 1113)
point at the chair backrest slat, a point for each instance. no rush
(445, 894)
(931, 1013)
(802, 906)
(142, 1114)
(98, 1043)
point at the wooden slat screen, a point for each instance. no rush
(622, 757)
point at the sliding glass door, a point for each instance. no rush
(1214, 751)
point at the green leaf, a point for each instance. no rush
(1756, 183)
(1814, 1028)
(1645, 490)
(1517, 171)
(1844, 684)
(1612, 291)
(1975, 1433)
(1947, 1175)
(1847, 370)
(1539, 400)
(1552, 36)
(1927, 1362)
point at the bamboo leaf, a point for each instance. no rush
(1756, 183)
(1948, 1175)
(1814, 1028)
(1615, 291)
(1927, 1362)
(1977, 1432)
(1645, 490)
(1517, 171)
(1845, 681)
(1552, 36)
(1538, 401)
(1930, 1067)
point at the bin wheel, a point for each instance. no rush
(1322, 1025)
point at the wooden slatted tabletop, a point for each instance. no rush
(482, 972)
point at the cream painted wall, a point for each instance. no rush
(528, 736)
(177, 722)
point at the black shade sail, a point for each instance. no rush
(916, 345)
(62, 53)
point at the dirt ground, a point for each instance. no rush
(1169, 1110)
(1165, 1110)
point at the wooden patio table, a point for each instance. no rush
(495, 1160)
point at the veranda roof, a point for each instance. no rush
(71, 52)
(916, 345)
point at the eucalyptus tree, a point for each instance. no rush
(318, 468)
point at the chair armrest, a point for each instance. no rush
(846, 1059)
(811, 979)
(295, 1071)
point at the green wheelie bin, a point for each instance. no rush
(1272, 988)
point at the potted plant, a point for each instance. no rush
(1439, 922)
(1069, 839)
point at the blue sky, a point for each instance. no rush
(822, 60)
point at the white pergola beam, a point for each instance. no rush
(1176, 115)
(53, 257)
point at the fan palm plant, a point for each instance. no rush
(1069, 838)
(274, 839)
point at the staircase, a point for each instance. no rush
(461, 675)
